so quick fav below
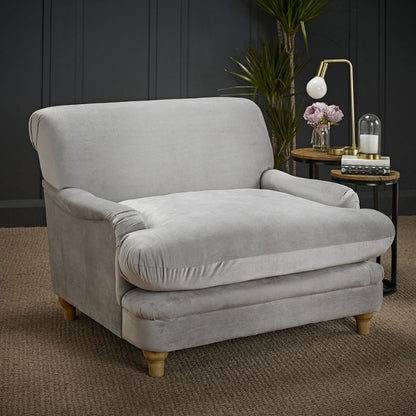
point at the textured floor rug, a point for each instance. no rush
(53, 367)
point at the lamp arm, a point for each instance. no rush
(321, 73)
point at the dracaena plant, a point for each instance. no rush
(267, 72)
(292, 16)
(260, 69)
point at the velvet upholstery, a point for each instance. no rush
(328, 193)
(84, 233)
(129, 150)
(162, 306)
(202, 239)
(209, 242)
(219, 325)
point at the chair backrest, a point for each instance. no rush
(128, 150)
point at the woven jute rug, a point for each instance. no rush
(53, 367)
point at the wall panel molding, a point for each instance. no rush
(46, 53)
(184, 48)
(75, 51)
(153, 49)
(254, 25)
(22, 91)
(382, 80)
(79, 51)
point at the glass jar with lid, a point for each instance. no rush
(369, 137)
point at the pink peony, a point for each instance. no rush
(320, 114)
(313, 114)
(334, 114)
(322, 106)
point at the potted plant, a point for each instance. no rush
(272, 70)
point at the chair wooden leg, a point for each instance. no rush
(155, 363)
(363, 323)
(69, 310)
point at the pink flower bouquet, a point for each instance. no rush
(321, 115)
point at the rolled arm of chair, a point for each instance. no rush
(84, 205)
(76, 218)
(328, 193)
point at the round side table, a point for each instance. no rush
(390, 286)
(314, 158)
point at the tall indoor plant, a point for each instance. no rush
(268, 72)
(259, 66)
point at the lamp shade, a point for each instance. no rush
(316, 87)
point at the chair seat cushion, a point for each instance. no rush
(202, 239)
(175, 304)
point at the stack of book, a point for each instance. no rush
(353, 165)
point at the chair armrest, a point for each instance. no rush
(328, 193)
(84, 205)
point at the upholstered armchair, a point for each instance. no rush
(169, 227)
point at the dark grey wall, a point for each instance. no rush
(75, 51)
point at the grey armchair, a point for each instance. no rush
(168, 226)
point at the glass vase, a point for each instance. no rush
(321, 137)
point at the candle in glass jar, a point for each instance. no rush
(369, 143)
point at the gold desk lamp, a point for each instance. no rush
(316, 88)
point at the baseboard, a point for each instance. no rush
(22, 213)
